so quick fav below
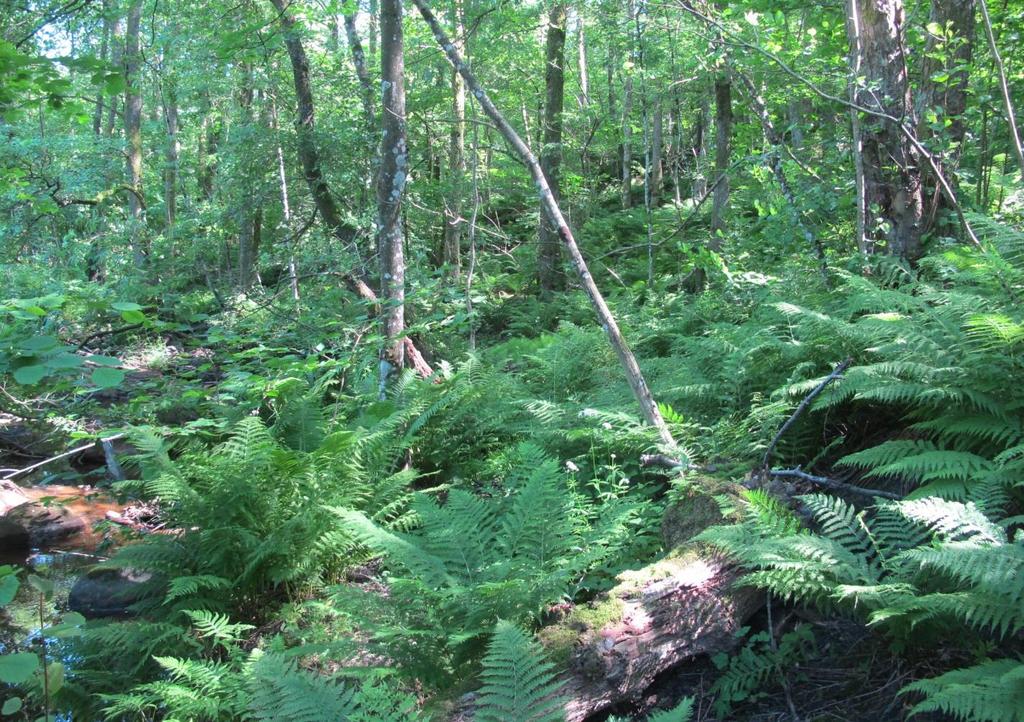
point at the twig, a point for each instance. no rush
(108, 332)
(836, 373)
(58, 457)
(833, 484)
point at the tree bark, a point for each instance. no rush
(117, 60)
(362, 73)
(133, 126)
(723, 140)
(857, 136)
(581, 59)
(633, 374)
(304, 126)
(394, 169)
(452, 251)
(247, 207)
(171, 151)
(97, 118)
(208, 140)
(699, 152)
(892, 173)
(549, 256)
(675, 610)
(656, 171)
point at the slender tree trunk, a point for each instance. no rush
(117, 60)
(627, 141)
(892, 165)
(373, 32)
(723, 140)
(247, 206)
(656, 172)
(362, 72)
(286, 205)
(209, 140)
(856, 62)
(549, 256)
(633, 374)
(306, 140)
(456, 158)
(171, 152)
(97, 118)
(1011, 118)
(133, 126)
(394, 170)
(581, 59)
(699, 152)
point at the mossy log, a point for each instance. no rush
(678, 608)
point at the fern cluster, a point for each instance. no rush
(903, 566)
(477, 558)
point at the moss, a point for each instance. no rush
(694, 509)
(561, 639)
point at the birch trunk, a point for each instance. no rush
(394, 169)
(133, 127)
(633, 374)
(1003, 86)
(452, 251)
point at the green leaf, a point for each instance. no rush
(11, 706)
(64, 361)
(43, 586)
(30, 375)
(106, 378)
(125, 306)
(8, 588)
(55, 676)
(18, 667)
(103, 360)
(38, 343)
(133, 316)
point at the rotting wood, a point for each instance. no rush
(611, 650)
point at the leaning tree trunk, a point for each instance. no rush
(892, 165)
(366, 93)
(394, 169)
(1011, 118)
(549, 256)
(550, 207)
(456, 159)
(133, 127)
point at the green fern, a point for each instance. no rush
(518, 683)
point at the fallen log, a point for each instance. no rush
(611, 650)
(688, 604)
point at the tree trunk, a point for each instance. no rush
(208, 140)
(171, 152)
(656, 171)
(699, 152)
(310, 158)
(723, 139)
(394, 169)
(456, 158)
(362, 73)
(304, 126)
(549, 256)
(581, 59)
(97, 118)
(892, 173)
(857, 136)
(133, 126)
(117, 60)
(247, 205)
(633, 374)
